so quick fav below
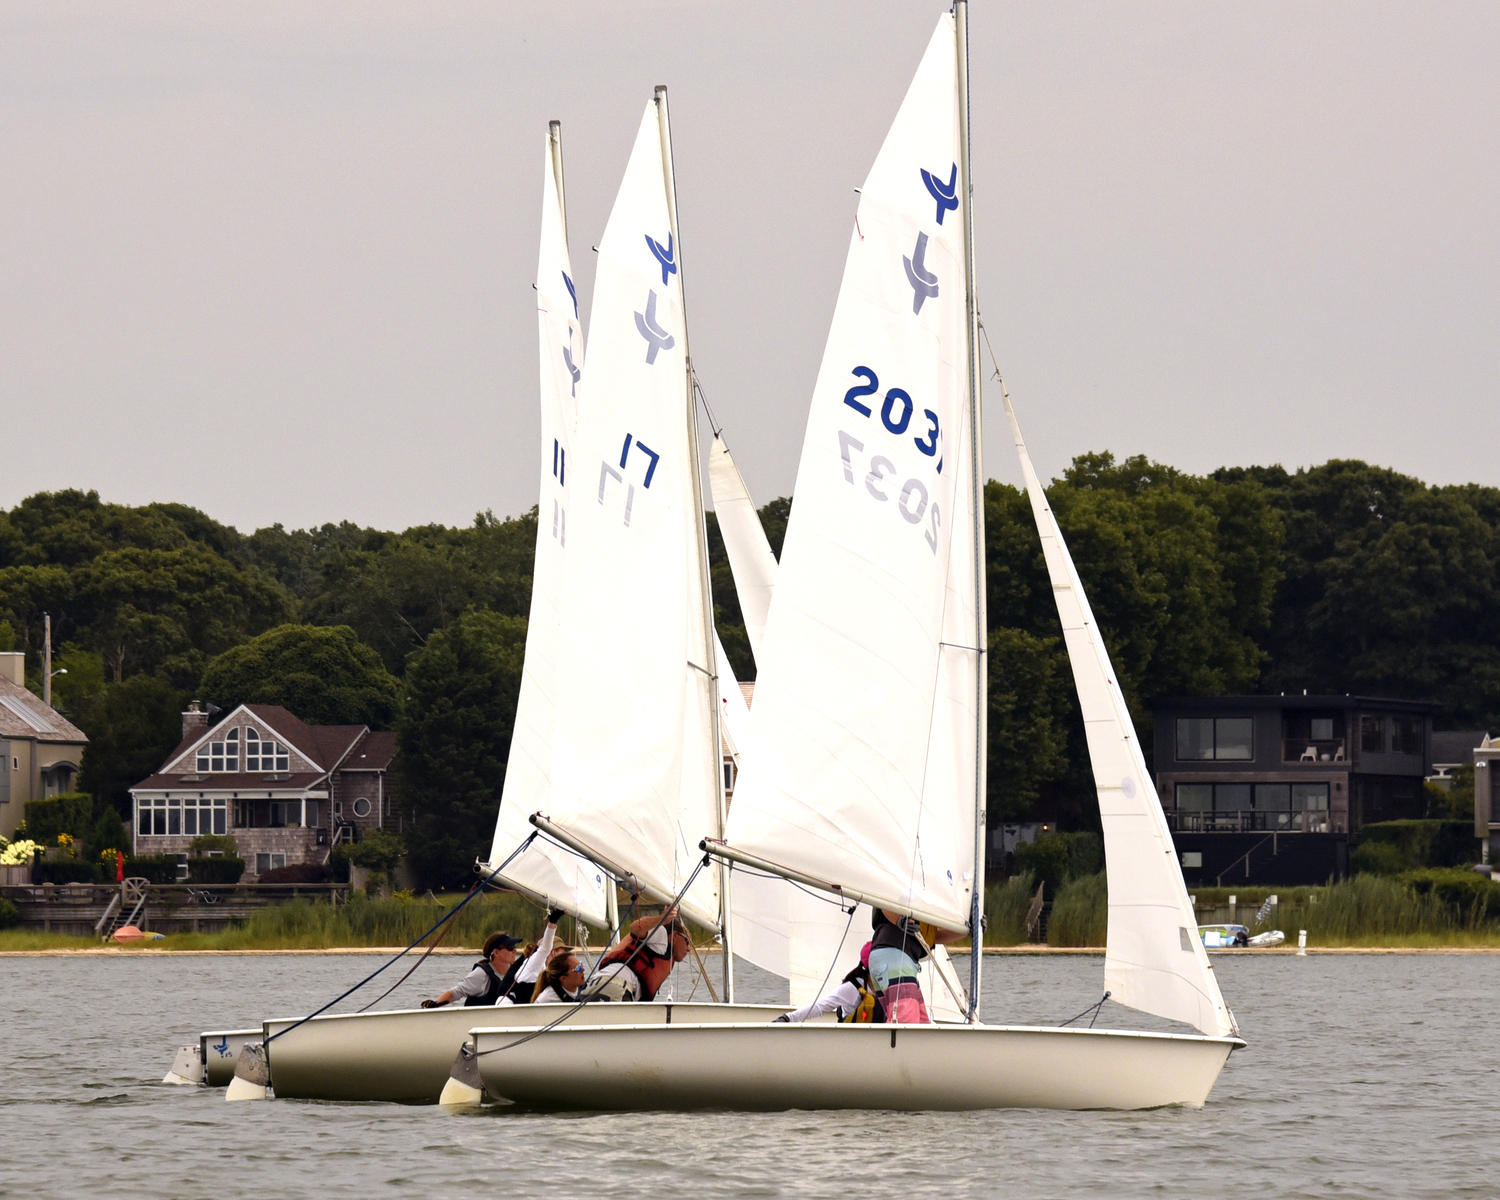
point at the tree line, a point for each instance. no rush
(1343, 577)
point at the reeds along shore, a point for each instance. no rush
(1422, 909)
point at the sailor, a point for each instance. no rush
(899, 943)
(853, 1000)
(524, 985)
(640, 964)
(562, 979)
(496, 977)
(491, 978)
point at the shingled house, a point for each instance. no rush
(40, 750)
(287, 791)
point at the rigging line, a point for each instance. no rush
(825, 897)
(853, 908)
(1092, 1008)
(436, 942)
(579, 1004)
(446, 916)
(714, 427)
(961, 646)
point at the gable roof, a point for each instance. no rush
(372, 754)
(23, 715)
(1456, 747)
(323, 744)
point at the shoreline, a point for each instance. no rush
(989, 951)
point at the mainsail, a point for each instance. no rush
(635, 773)
(849, 777)
(1154, 960)
(548, 871)
(750, 556)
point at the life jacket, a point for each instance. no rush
(491, 993)
(650, 967)
(905, 936)
(557, 990)
(500, 986)
(865, 1011)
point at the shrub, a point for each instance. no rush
(1378, 858)
(158, 868)
(10, 915)
(68, 870)
(1469, 897)
(298, 873)
(109, 832)
(1080, 914)
(1046, 860)
(1366, 906)
(1085, 854)
(215, 870)
(72, 813)
(1426, 843)
(221, 843)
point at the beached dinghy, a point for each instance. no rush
(848, 785)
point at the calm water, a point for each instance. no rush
(1365, 1076)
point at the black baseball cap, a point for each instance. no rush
(500, 941)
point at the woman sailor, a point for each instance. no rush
(497, 976)
(562, 980)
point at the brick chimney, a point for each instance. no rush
(13, 666)
(194, 721)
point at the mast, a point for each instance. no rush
(709, 658)
(554, 147)
(976, 454)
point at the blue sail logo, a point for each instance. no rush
(946, 194)
(572, 291)
(665, 257)
(656, 337)
(572, 370)
(923, 282)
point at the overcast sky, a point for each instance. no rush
(275, 260)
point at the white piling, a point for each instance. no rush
(1302, 942)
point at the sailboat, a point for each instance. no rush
(614, 767)
(863, 777)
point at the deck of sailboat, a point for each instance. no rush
(760, 1067)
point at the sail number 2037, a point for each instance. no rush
(912, 501)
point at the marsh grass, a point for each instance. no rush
(1005, 906)
(1080, 914)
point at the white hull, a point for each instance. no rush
(220, 1050)
(405, 1054)
(821, 1066)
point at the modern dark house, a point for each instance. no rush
(1269, 789)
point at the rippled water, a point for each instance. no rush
(1365, 1076)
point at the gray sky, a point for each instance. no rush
(275, 260)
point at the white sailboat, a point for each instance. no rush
(863, 775)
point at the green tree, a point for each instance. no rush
(1030, 693)
(326, 676)
(132, 727)
(454, 738)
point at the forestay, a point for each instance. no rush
(850, 773)
(551, 872)
(636, 759)
(1154, 959)
(750, 556)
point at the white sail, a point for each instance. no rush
(851, 686)
(750, 556)
(1154, 959)
(636, 760)
(558, 875)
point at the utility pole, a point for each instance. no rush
(47, 659)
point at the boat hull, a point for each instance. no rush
(821, 1066)
(220, 1050)
(405, 1055)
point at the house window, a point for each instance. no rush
(1372, 734)
(190, 817)
(1406, 735)
(309, 813)
(244, 814)
(1309, 797)
(1195, 797)
(729, 777)
(222, 755)
(265, 755)
(269, 862)
(361, 807)
(1214, 737)
(287, 814)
